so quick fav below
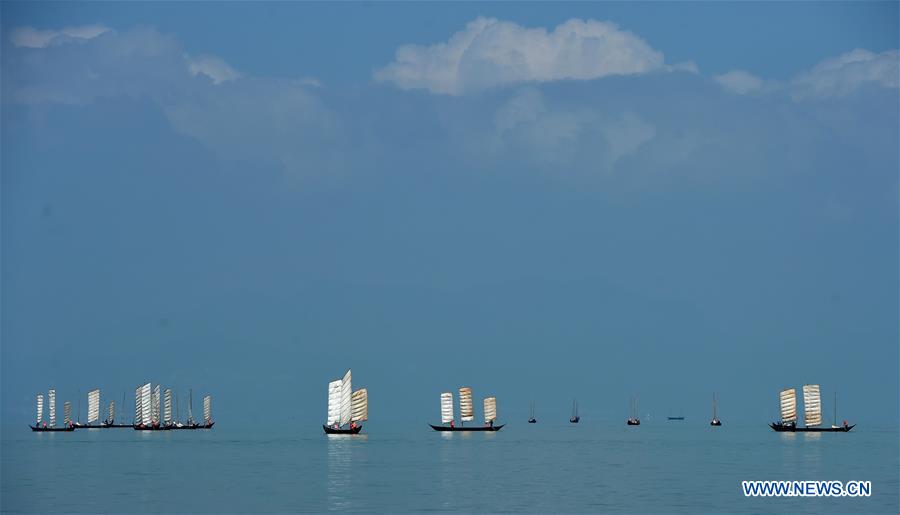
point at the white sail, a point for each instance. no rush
(812, 405)
(334, 402)
(466, 408)
(112, 412)
(51, 400)
(137, 406)
(207, 409)
(146, 409)
(40, 408)
(67, 413)
(167, 406)
(93, 406)
(360, 403)
(788, 405)
(490, 409)
(446, 408)
(346, 394)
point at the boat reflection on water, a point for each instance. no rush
(340, 471)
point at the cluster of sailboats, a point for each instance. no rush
(152, 412)
(348, 408)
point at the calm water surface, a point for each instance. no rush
(665, 467)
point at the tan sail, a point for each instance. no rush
(490, 409)
(812, 405)
(466, 408)
(446, 408)
(360, 405)
(788, 405)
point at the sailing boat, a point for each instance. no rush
(111, 417)
(346, 407)
(93, 410)
(715, 420)
(191, 424)
(633, 420)
(147, 419)
(812, 412)
(574, 419)
(40, 425)
(531, 419)
(466, 412)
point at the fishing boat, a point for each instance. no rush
(93, 411)
(147, 419)
(812, 413)
(574, 419)
(346, 407)
(715, 420)
(110, 421)
(633, 420)
(40, 425)
(191, 423)
(466, 413)
(531, 419)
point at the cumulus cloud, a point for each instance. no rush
(29, 37)
(491, 52)
(740, 82)
(834, 77)
(844, 74)
(213, 67)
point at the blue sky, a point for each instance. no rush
(537, 200)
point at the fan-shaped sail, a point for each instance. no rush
(490, 409)
(466, 409)
(812, 405)
(334, 402)
(155, 405)
(40, 408)
(67, 413)
(93, 406)
(207, 409)
(446, 408)
(360, 402)
(346, 395)
(112, 412)
(788, 405)
(138, 419)
(51, 400)
(146, 409)
(167, 406)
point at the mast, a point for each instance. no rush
(714, 406)
(79, 407)
(346, 398)
(177, 409)
(122, 408)
(834, 423)
(190, 406)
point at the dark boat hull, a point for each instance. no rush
(114, 426)
(38, 429)
(716, 423)
(532, 421)
(574, 420)
(333, 431)
(676, 418)
(466, 429)
(633, 422)
(788, 428)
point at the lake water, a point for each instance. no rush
(664, 467)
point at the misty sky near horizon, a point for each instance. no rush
(541, 201)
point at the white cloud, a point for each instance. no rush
(740, 82)
(842, 75)
(213, 67)
(29, 37)
(490, 53)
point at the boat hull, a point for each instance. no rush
(676, 418)
(532, 421)
(788, 428)
(38, 429)
(466, 429)
(633, 422)
(350, 431)
(574, 420)
(716, 423)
